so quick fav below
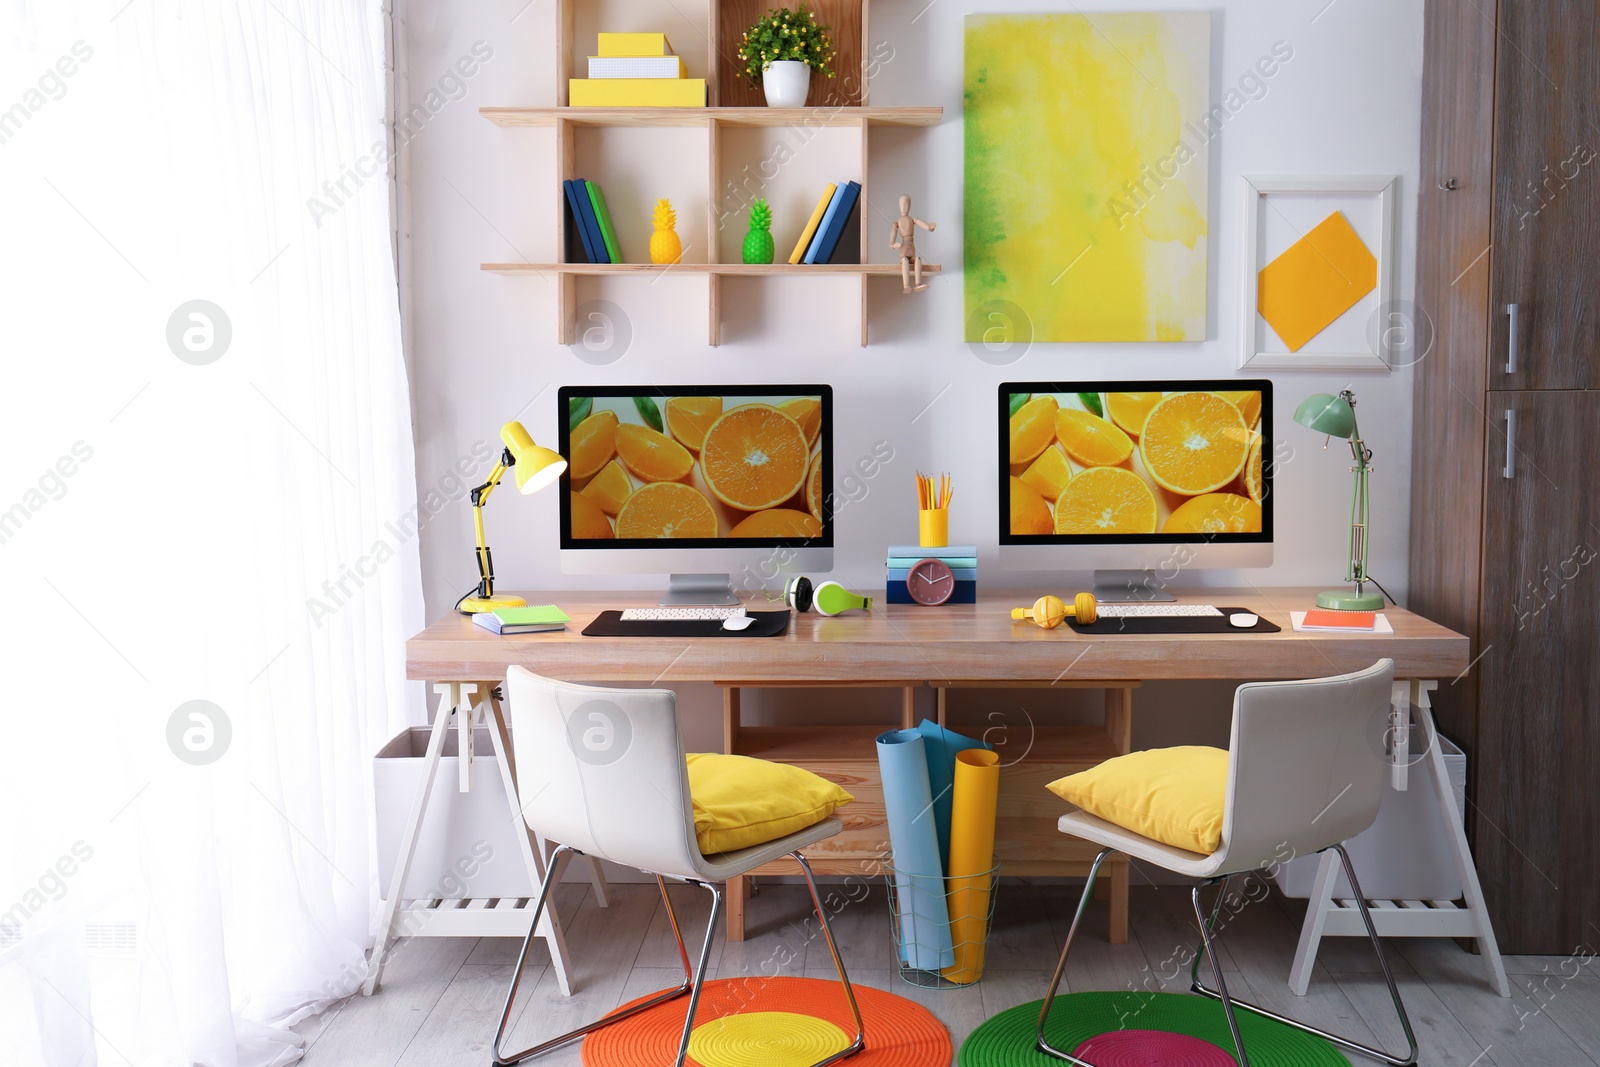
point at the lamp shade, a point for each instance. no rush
(1327, 414)
(536, 467)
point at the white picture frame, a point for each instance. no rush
(1277, 211)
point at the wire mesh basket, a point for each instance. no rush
(940, 926)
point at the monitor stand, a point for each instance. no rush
(696, 590)
(1130, 587)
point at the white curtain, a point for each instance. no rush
(207, 495)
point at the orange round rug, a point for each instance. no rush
(775, 1022)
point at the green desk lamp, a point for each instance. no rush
(1336, 417)
(536, 467)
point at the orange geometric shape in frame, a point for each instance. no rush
(1315, 280)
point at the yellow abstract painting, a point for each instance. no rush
(1086, 175)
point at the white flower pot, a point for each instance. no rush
(786, 82)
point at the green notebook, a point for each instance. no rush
(532, 615)
(603, 216)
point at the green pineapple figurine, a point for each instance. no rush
(758, 246)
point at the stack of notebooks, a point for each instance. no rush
(961, 559)
(636, 70)
(820, 242)
(590, 236)
(534, 619)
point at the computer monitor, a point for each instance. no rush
(718, 486)
(1137, 481)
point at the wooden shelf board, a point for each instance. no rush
(689, 117)
(813, 744)
(725, 270)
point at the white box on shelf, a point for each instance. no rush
(1404, 854)
(467, 847)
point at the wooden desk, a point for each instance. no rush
(953, 646)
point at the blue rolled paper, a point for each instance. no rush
(918, 875)
(941, 747)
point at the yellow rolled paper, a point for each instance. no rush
(976, 793)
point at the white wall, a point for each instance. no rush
(482, 346)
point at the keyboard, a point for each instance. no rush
(684, 614)
(1155, 611)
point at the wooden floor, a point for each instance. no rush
(441, 997)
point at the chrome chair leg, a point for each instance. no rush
(553, 873)
(838, 965)
(1221, 993)
(699, 974)
(1209, 948)
(1061, 967)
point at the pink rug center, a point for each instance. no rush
(1151, 1048)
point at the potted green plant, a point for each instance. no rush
(781, 50)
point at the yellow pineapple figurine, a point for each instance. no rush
(665, 245)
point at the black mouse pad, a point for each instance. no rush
(1175, 624)
(611, 624)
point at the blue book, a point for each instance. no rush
(813, 254)
(575, 224)
(905, 562)
(591, 223)
(833, 243)
(961, 574)
(896, 593)
(925, 551)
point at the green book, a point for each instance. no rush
(534, 619)
(598, 200)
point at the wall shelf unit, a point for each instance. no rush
(834, 103)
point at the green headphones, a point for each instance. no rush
(829, 598)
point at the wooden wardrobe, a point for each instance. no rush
(1505, 509)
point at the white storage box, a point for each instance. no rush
(468, 845)
(1404, 855)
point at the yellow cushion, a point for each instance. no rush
(1171, 795)
(740, 801)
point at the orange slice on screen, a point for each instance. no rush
(1215, 513)
(1248, 402)
(592, 444)
(755, 457)
(667, 509)
(1033, 428)
(589, 523)
(814, 487)
(808, 413)
(778, 522)
(1194, 443)
(610, 488)
(1048, 474)
(689, 417)
(1106, 500)
(1029, 513)
(1091, 440)
(652, 456)
(1129, 410)
(1252, 470)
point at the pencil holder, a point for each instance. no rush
(933, 528)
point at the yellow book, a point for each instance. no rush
(637, 67)
(634, 44)
(799, 252)
(637, 92)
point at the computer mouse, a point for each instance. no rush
(1243, 620)
(738, 622)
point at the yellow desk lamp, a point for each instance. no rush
(535, 467)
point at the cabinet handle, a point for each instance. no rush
(1511, 446)
(1511, 342)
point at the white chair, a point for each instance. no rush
(1302, 777)
(602, 771)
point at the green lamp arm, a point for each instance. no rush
(1360, 503)
(480, 496)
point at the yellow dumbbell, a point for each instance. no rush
(1049, 611)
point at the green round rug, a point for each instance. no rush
(1007, 1039)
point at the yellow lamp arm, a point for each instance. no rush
(480, 496)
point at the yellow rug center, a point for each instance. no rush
(766, 1039)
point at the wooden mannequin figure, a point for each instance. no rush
(903, 236)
